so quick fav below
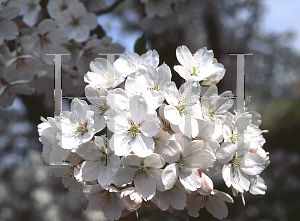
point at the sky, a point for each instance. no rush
(281, 16)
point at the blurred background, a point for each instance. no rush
(269, 29)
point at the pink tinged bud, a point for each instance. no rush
(206, 184)
(131, 199)
(259, 151)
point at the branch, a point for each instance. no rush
(110, 8)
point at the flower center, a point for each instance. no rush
(109, 77)
(107, 197)
(20, 62)
(82, 129)
(75, 22)
(212, 113)
(195, 71)
(102, 108)
(181, 108)
(103, 160)
(167, 127)
(31, 6)
(141, 170)
(134, 129)
(233, 138)
(236, 163)
(155, 87)
(63, 6)
(44, 39)
(183, 163)
(205, 198)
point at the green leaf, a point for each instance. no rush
(140, 45)
(99, 32)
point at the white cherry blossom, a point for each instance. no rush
(23, 67)
(97, 98)
(7, 13)
(238, 168)
(69, 174)
(91, 50)
(47, 39)
(133, 130)
(101, 163)
(56, 7)
(215, 107)
(185, 158)
(107, 200)
(103, 74)
(175, 197)
(214, 203)
(132, 62)
(30, 10)
(48, 131)
(77, 125)
(197, 67)
(10, 90)
(77, 22)
(182, 105)
(144, 172)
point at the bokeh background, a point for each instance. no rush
(269, 29)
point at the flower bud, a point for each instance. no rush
(131, 199)
(206, 184)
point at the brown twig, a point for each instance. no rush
(110, 8)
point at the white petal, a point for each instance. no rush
(223, 196)
(149, 125)
(226, 152)
(184, 55)
(132, 160)
(91, 170)
(170, 175)
(146, 186)
(253, 164)
(138, 108)
(206, 128)
(163, 75)
(105, 175)
(171, 151)
(200, 159)
(189, 92)
(161, 200)
(258, 185)
(143, 146)
(226, 174)
(79, 108)
(124, 175)
(157, 176)
(154, 160)
(178, 197)
(151, 57)
(118, 99)
(117, 121)
(113, 209)
(172, 114)
(190, 179)
(121, 143)
(217, 208)
(171, 93)
(123, 67)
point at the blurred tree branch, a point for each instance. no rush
(110, 8)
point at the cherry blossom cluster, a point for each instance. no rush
(162, 146)
(29, 33)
